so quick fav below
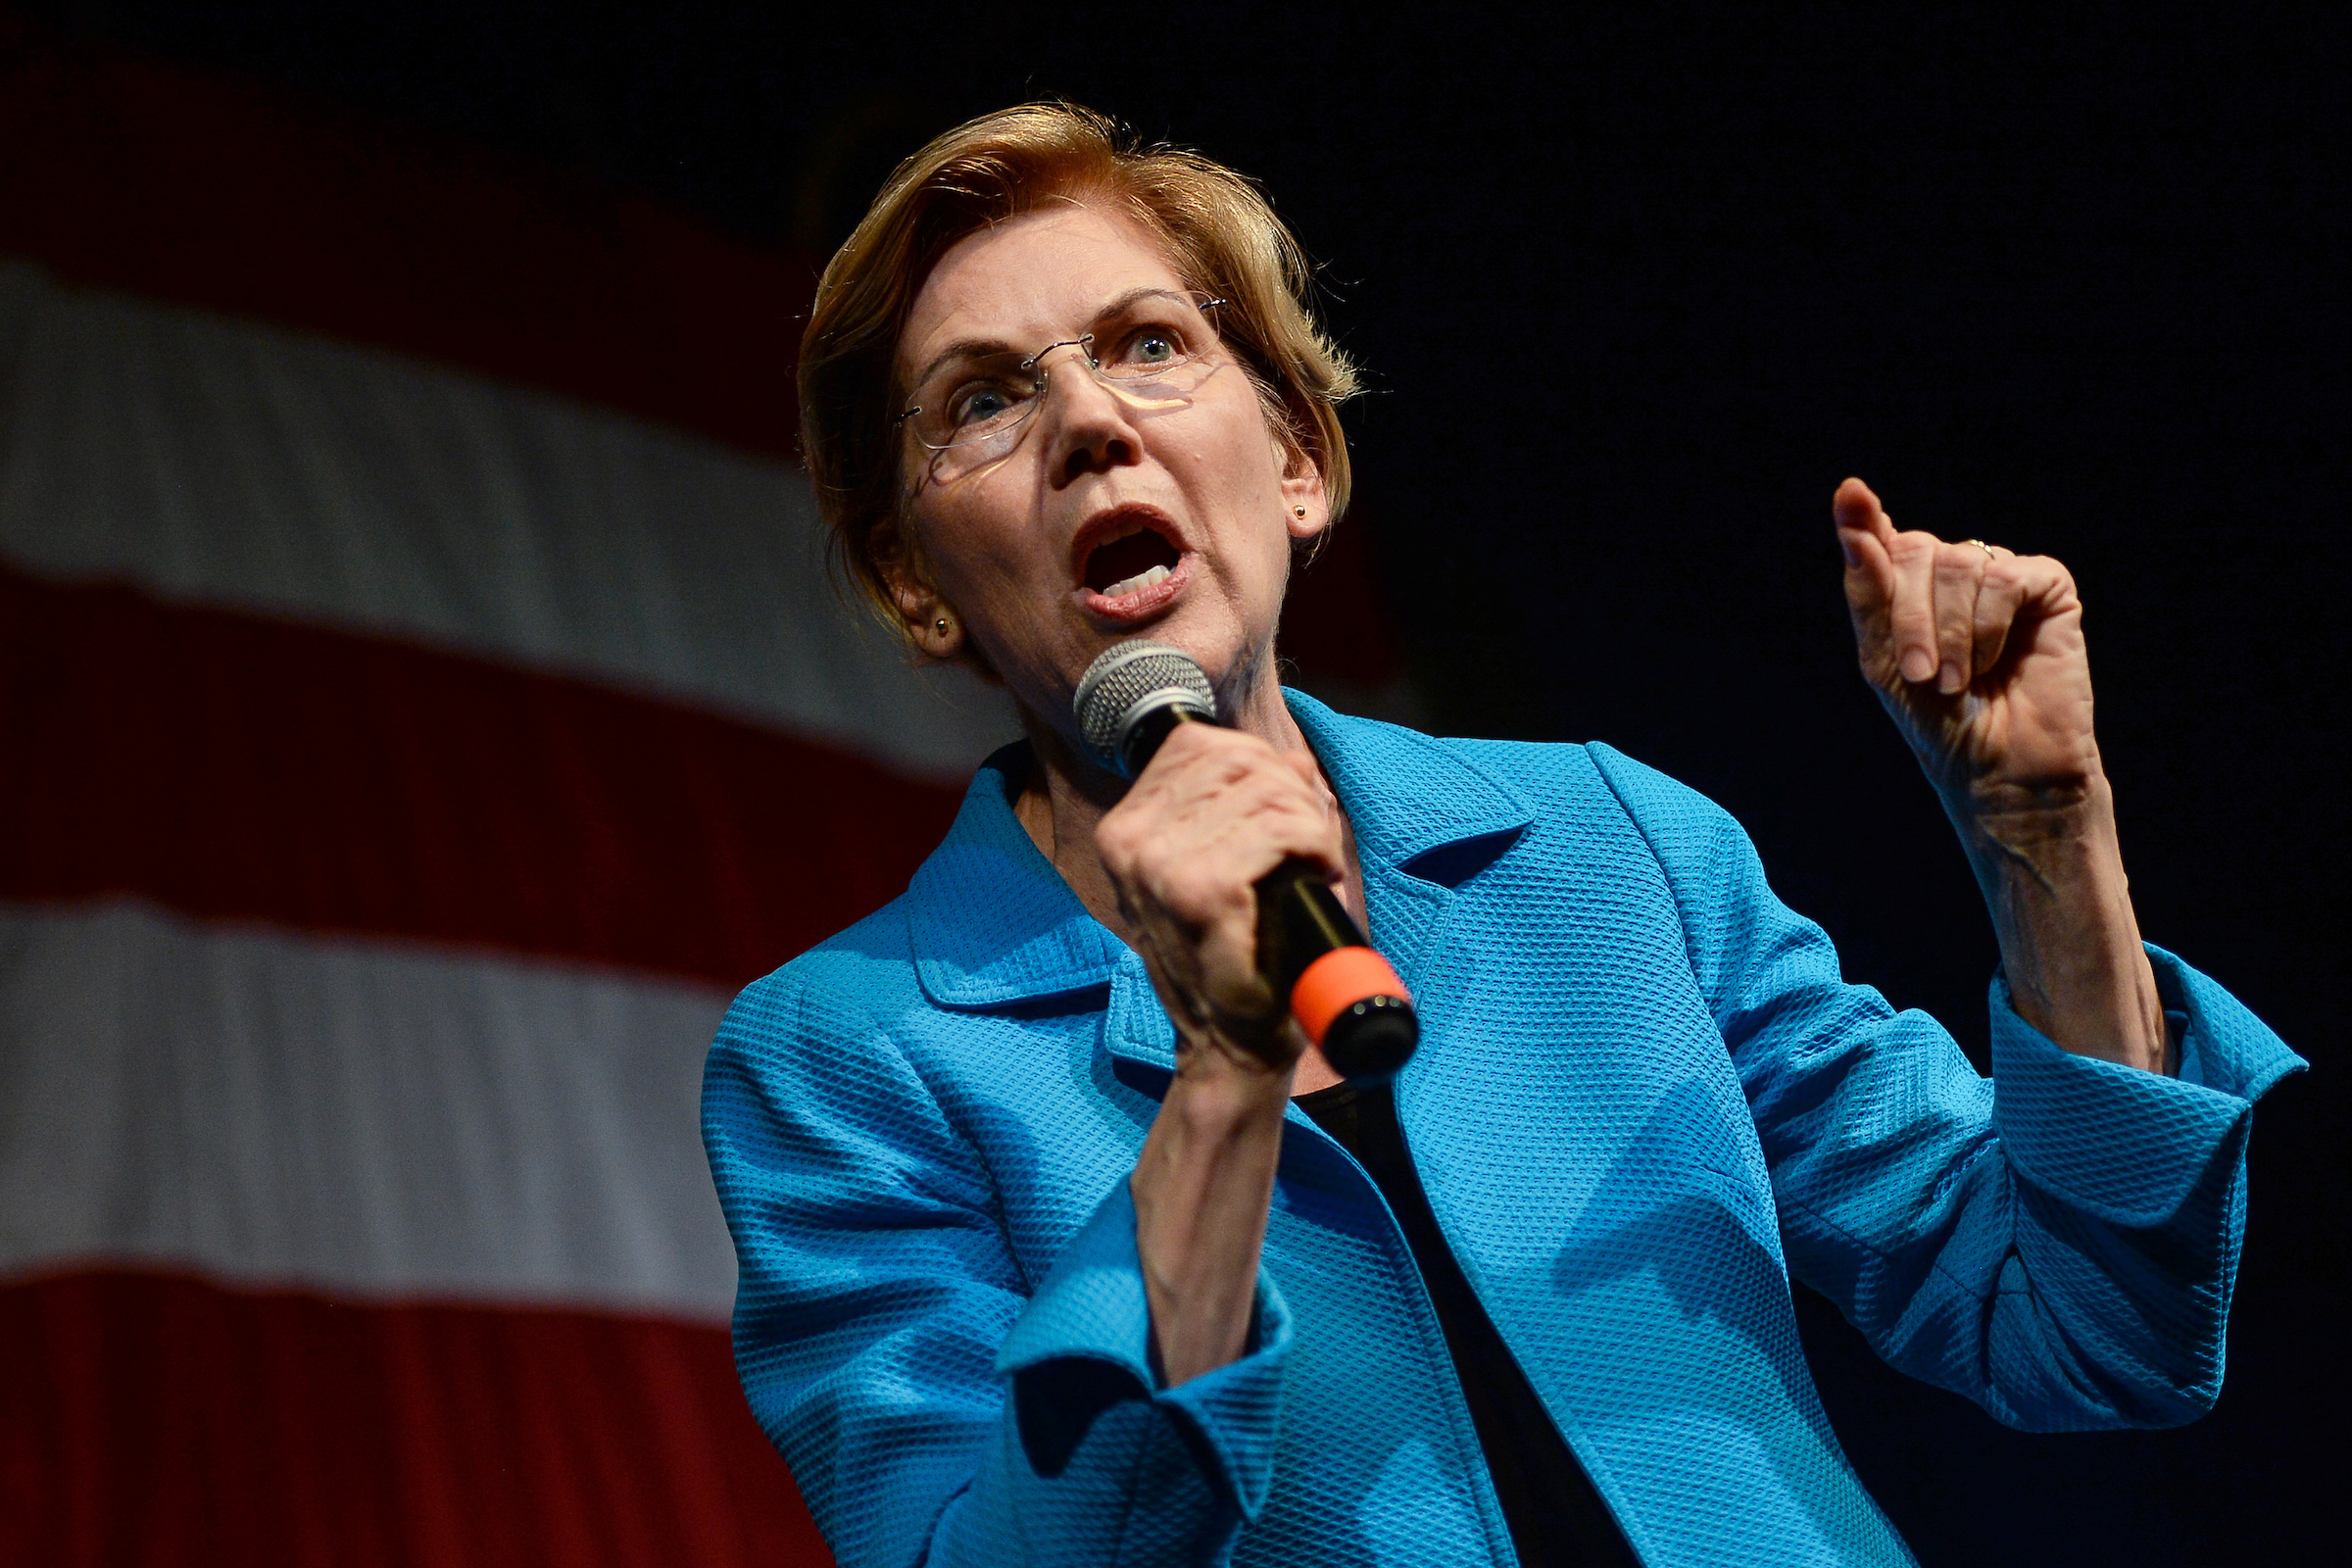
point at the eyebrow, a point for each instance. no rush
(972, 348)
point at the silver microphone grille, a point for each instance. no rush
(1128, 681)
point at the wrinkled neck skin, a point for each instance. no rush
(1066, 793)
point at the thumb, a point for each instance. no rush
(1303, 763)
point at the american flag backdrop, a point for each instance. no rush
(422, 703)
(425, 703)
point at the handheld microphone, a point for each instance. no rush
(1344, 994)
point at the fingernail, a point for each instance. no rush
(1845, 548)
(1918, 665)
(1950, 680)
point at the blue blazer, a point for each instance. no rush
(1645, 1100)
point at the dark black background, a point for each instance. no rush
(1636, 287)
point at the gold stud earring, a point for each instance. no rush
(1299, 512)
(942, 624)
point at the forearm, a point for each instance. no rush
(1201, 1188)
(2052, 875)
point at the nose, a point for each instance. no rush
(1089, 430)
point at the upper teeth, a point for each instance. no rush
(1137, 584)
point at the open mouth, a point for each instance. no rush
(1139, 558)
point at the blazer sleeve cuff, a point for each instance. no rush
(2120, 1143)
(1092, 1306)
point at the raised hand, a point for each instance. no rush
(1976, 652)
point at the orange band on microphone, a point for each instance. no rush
(1338, 981)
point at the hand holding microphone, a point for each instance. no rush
(1243, 952)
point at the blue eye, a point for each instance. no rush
(981, 403)
(1153, 348)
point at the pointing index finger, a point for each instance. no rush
(1858, 513)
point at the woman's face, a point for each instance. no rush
(1116, 513)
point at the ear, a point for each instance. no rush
(1305, 511)
(924, 617)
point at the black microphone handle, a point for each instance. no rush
(1300, 920)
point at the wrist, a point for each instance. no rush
(2052, 873)
(1222, 1093)
(2041, 841)
(2020, 813)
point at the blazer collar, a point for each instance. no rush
(990, 920)
(993, 924)
(1405, 794)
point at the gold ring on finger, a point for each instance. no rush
(1982, 545)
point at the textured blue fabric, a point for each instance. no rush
(1643, 1100)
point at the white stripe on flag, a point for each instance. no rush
(358, 1117)
(239, 465)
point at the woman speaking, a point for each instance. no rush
(1063, 1243)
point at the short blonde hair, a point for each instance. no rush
(1221, 235)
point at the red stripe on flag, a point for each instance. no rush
(232, 767)
(162, 1421)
